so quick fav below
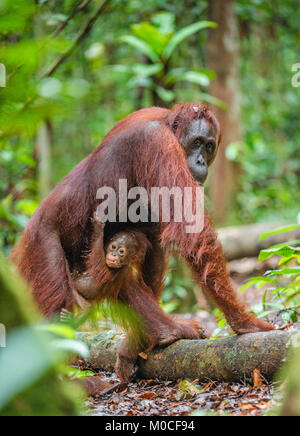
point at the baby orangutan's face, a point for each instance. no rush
(120, 251)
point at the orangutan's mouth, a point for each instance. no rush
(113, 264)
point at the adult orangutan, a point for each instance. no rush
(121, 278)
(153, 147)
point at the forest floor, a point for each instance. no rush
(183, 397)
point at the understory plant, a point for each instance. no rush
(281, 298)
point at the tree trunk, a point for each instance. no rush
(222, 57)
(231, 359)
(43, 152)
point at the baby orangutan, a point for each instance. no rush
(115, 272)
(126, 250)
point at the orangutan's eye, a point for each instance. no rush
(175, 125)
(197, 143)
(210, 148)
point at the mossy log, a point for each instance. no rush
(243, 241)
(230, 359)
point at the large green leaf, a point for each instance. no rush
(26, 359)
(178, 75)
(184, 33)
(152, 36)
(165, 94)
(62, 330)
(142, 46)
(294, 270)
(142, 70)
(280, 230)
(140, 81)
(286, 251)
(258, 282)
(165, 22)
(69, 346)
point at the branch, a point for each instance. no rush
(78, 9)
(81, 37)
(231, 359)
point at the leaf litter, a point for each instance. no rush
(181, 398)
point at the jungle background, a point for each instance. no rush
(73, 68)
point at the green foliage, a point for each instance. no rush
(282, 285)
(284, 282)
(38, 355)
(178, 295)
(29, 363)
(158, 40)
(162, 61)
(278, 231)
(269, 154)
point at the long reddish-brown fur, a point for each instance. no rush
(127, 284)
(143, 148)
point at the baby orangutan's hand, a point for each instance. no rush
(97, 221)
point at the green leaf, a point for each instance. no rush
(184, 33)
(152, 36)
(70, 371)
(140, 70)
(285, 251)
(143, 82)
(165, 22)
(222, 323)
(287, 260)
(142, 46)
(287, 271)
(264, 299)
(267, 313)
(62, 330)
(280, 230)
(257, 281)
(146, 70)
(278, 306)
(287, 316)
(171, 306)
(179, 75)
(26, 359)
(27, 206)
(165, 94)
(75, 347)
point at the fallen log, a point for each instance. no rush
(230, 359)
(243, 241)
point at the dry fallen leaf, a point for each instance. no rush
(147, 395)
(246, 406)
(143, 356)
(257, 379)
(124, 391)
(263, 404)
